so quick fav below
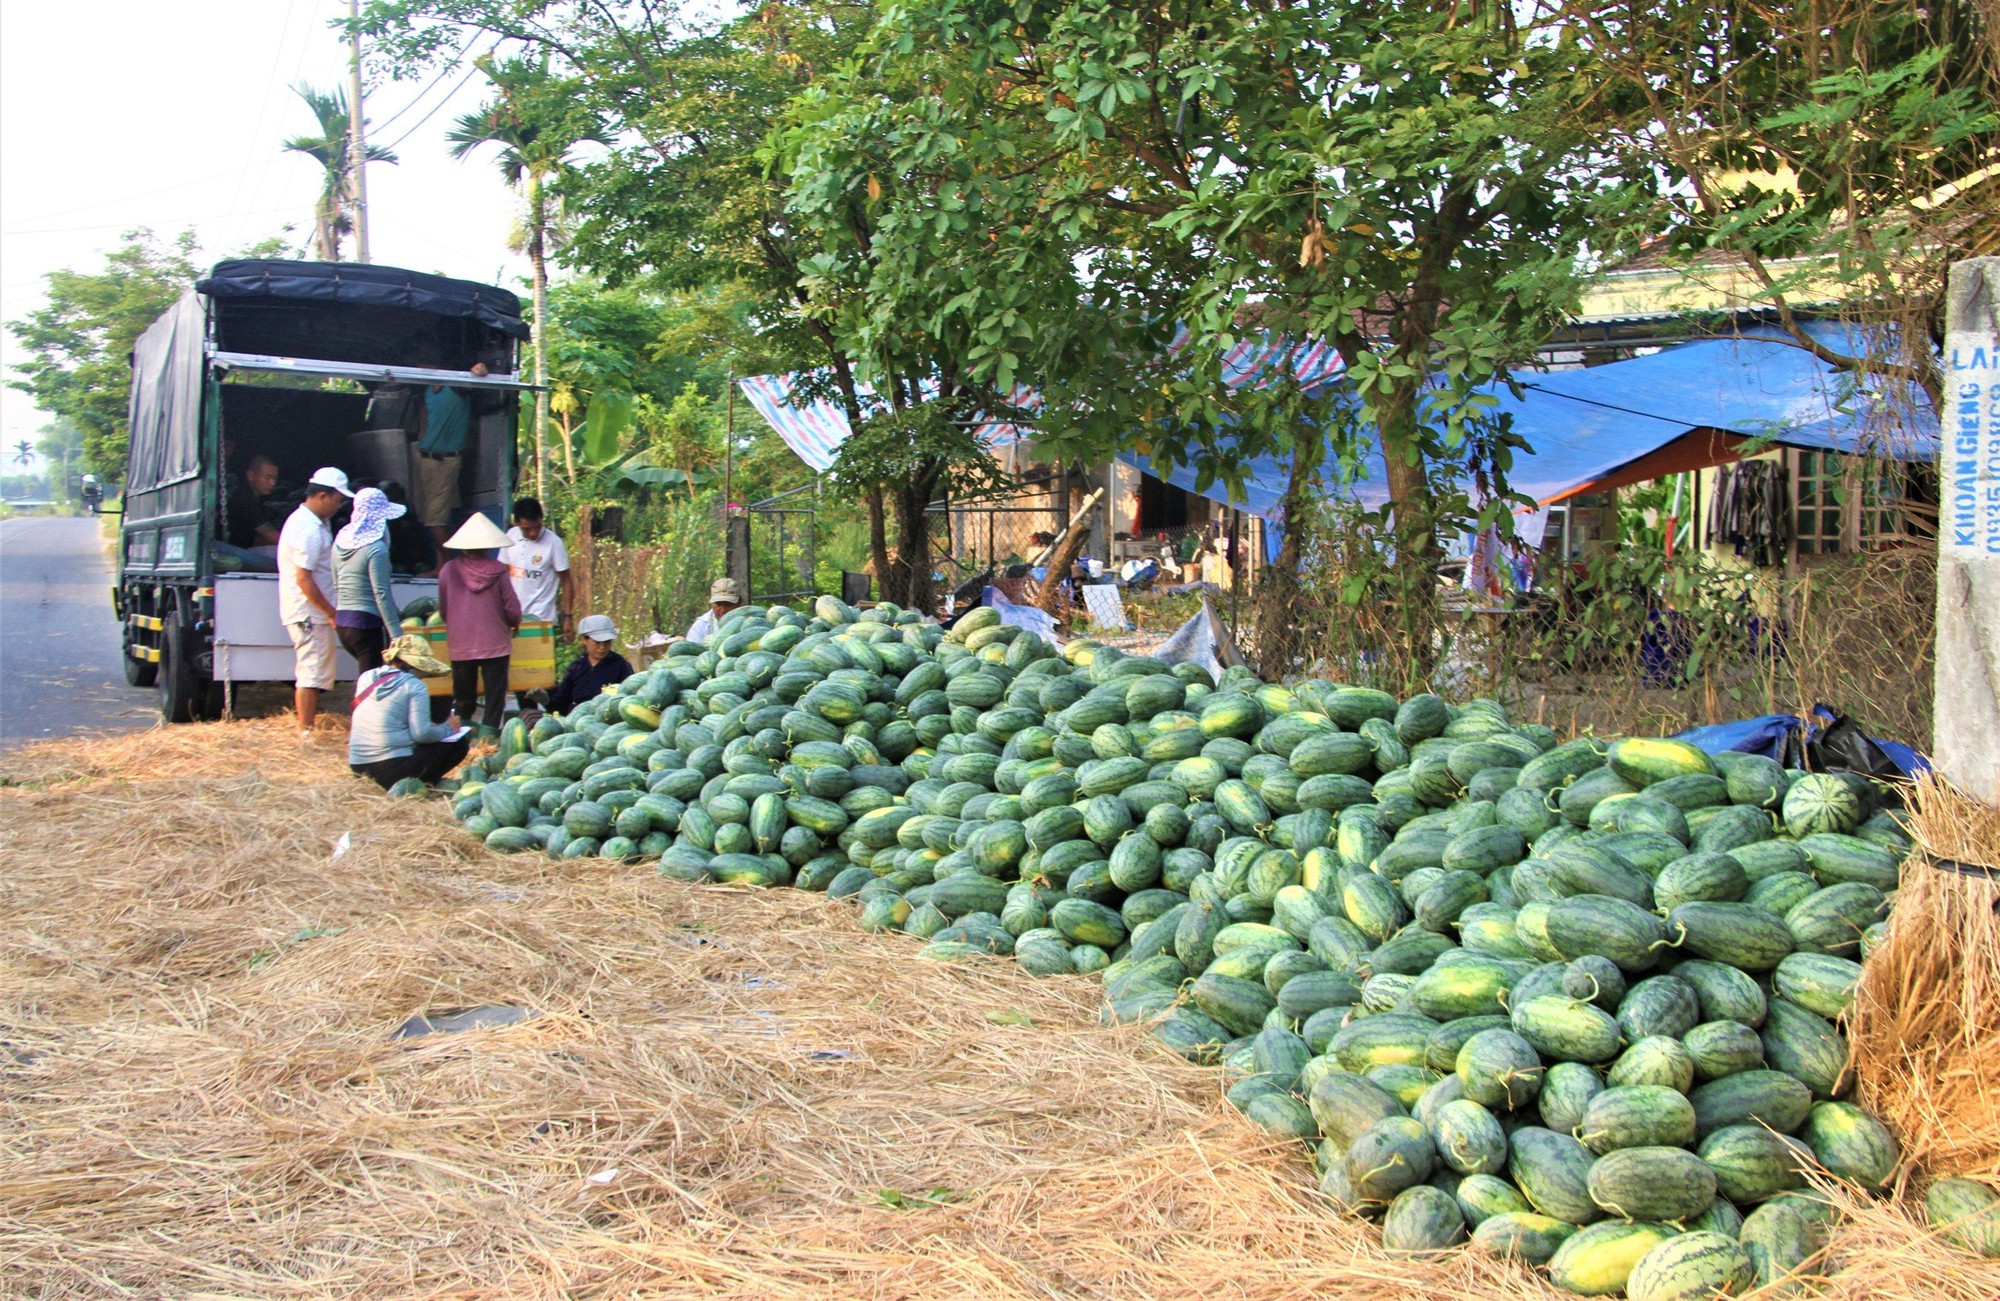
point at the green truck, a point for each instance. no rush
(306, 364)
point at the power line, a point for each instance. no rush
(126, 225)
(418, 124)
(263, 107)
(433, 84)
(146, 194)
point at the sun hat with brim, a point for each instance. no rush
(478, 534)
(414, 653)
(598, 627)
(725, 591)
(372, 512)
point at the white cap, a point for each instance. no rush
(330, 477)
(597, 627)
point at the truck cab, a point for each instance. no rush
(262, 373)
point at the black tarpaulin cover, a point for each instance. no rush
(166, 398)
(366, 285)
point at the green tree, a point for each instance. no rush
(1837, 152)
(333, 149)
(534, 120)
(1415, 184)
(683, 199)
(78, 342)
(61, 447)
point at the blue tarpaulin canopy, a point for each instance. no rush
(1685, 407)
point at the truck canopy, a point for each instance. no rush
(385, 315)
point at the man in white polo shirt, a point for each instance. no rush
(539, 566)
(305, 589)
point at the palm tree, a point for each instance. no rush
(332, 149)
(535, 122)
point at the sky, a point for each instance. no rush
(123, 113)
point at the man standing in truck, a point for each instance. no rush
(440, 452)
(305, 590)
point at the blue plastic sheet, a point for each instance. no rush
(1768, 735)
(1581, 425)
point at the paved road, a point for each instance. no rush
(59, 660)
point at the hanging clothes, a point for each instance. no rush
(1752, 511)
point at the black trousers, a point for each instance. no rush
(365, 645)
(430, 761)
(467, 679)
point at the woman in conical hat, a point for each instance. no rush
(481, 612)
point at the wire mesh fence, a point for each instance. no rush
(784, 547)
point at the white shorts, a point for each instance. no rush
(314, 644)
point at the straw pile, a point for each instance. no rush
(1926, 1019)
(723, 1093)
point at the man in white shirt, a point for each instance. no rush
(538, 564)
(305, 589)
(723, 596)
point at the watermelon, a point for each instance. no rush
(1389, 1156)
(1637, 1115)
(1821, 802)
(1750, 1163)
(1599, 1259)
(1553, 1172)
(1818, 982)
(1691, 1267)
(1851, 1144)
(1480, 1197)
(1965, 1212)
(1421, 1221)
(1805, 1046)
(1521, 1235)
(1469, 1139)
(1778, 1241)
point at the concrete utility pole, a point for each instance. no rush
(358, 136)
(1967, 727)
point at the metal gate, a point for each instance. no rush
(780, 542)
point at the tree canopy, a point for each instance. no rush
(78, 341)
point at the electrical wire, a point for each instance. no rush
(418, 98)
(418, 124)
(263, 111)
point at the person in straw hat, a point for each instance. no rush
(364, 603)
(390, 734)
(724, 595)
(595, 669)
(481, 611)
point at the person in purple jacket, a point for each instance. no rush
(480, 612)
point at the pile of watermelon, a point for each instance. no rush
(1578, 1003)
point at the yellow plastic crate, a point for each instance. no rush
(531, 665)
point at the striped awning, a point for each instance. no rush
(814, 428)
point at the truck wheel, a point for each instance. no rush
(185, 695)
(176, 675)
(138, 672)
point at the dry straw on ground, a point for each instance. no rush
(725, 1093)
(1926, 1033)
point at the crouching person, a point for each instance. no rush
(390, 733)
